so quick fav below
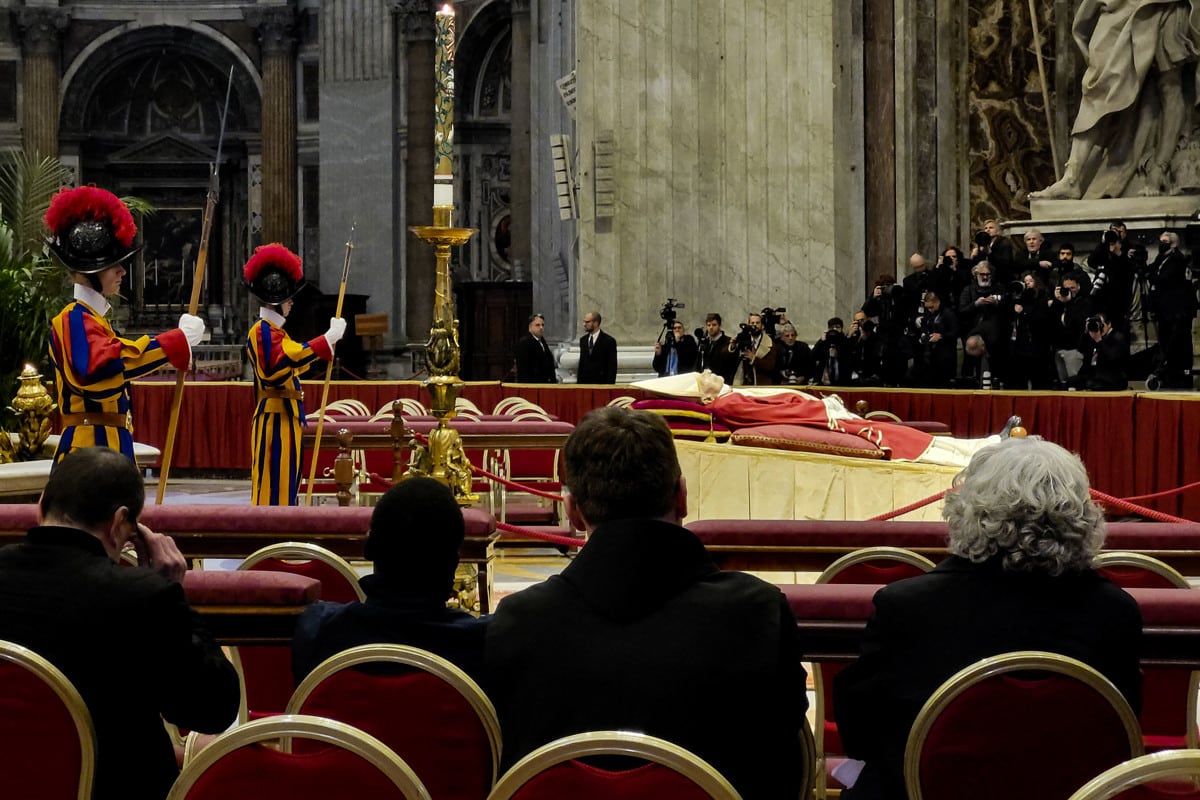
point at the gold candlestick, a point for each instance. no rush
(443, 457)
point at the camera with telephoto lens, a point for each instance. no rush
(745, 338)
(1018, 292)
(1094, 324)
(983, 239)
(668, 310)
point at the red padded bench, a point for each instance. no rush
(252, 606)
(812, 545)
(225, 531)
(831, 618)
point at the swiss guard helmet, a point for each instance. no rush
(273, 274)
(90, 229)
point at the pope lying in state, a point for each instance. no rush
(746, 407)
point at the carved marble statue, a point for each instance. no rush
(1132, 109)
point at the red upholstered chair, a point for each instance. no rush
(1030, 724)
(553, 771)
(266, 670)
(420, 705)
(1171, 775)
(242, 765)
(870, 565)
(47, 745)
(1168, 717)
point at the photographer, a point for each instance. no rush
(757, 354)
(1113, 275)
(936, 350)
(984, 311)
(993, 246)
(676, 353)
(866, 351)
(831, 355)
(793, 358)
(959, 269)
(1031, 357)
(888, 304)
(1069, 309)
(1105, 352)
(715, 349)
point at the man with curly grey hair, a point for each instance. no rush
(1023, 533)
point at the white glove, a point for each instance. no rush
(337, 329)
(193, 328)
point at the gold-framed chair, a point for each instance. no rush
(1169, 694)
(429, 712)
(47, 742)
(1143, 778)
(553, 770)
(242, 764)
(990, 732)
(266, 670)
(511, 405)
(869, 565)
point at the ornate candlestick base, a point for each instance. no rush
(33, 407)
(443, 458)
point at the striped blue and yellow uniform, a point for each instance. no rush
(93, 367)
(277, 360)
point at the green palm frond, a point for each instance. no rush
(26, 186)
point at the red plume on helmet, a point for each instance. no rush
(274, 273)
(91, 229)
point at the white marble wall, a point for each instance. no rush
(736, 158)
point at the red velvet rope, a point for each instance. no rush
(514, 485)
(933, 498)
(1159, 495)
(1132, 508)
(553, 538)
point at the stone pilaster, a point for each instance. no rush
(41, 32)
(419, 33)
(521, 188)
(276, 32)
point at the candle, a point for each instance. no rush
(443, 113)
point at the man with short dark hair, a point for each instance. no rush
(124, 636)
(714, 351)
(535, 362)
(416, 531)
(1173, 298)
(597, 352)
(664, 641)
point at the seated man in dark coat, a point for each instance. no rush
(415, 534)
(664, 642)
(124, 636)
(1023, 533)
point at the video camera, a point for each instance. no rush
(667, 313)
(744, 339)
(770, 318)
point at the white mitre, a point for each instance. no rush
(704, 386)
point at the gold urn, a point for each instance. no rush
(33, 407)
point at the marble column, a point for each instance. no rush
(879, 65)
(40, 31)
(276, 32)
(521, 188)
(420, 53)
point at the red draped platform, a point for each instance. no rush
(1132, 443)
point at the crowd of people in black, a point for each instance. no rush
(996, 317)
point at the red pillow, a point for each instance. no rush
(806, 439)
(696, 430)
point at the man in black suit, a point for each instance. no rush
(1173, 298)
(416, 530)
(535, 362)
(597, 352)
(124, 636)
(1023, 533)
(666, 642)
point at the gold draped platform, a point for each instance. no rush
(726, 481)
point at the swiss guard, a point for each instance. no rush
(92, 233)
(274, 275)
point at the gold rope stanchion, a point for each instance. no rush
(210, 208)
(312, 470)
